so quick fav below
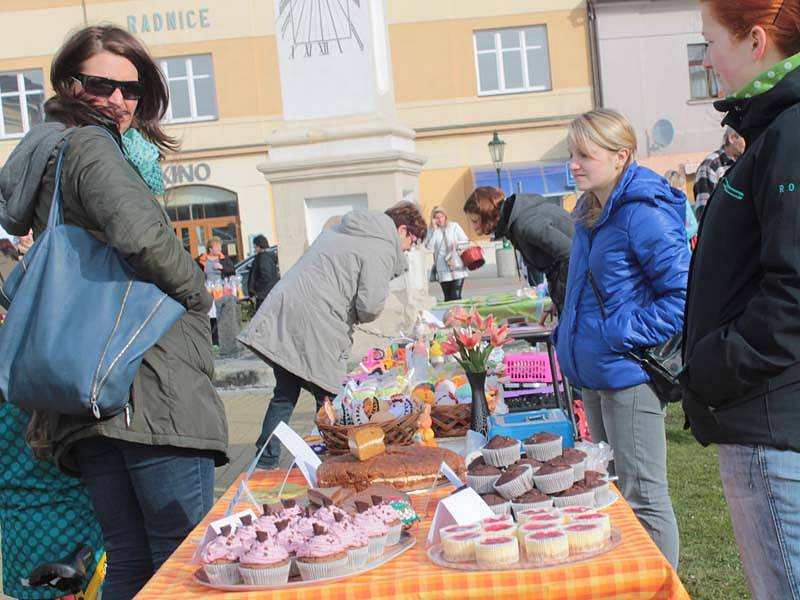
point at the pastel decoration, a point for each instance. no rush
(445, 393)
(464, 394)
(424, 393)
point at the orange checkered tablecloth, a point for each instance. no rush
(633, 570)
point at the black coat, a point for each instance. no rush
(542, 232)
(264, 274)
(742, 323)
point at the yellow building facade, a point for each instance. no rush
(462, 69)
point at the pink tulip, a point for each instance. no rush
(450, 346)
(488, 324)
(467, 340)
(498, 337)
(475, 319)
(457, 316)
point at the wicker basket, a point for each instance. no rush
(399, 432)
(451, 421)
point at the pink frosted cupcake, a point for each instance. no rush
(323, 555)
(354, 540)
(390, 518)
(290, 510)
(265, 563)
(327, 514)
(220, 559)
(373, 527)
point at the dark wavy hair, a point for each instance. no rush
(74, 107)
(408, 214)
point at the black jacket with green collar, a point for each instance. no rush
(742, 323)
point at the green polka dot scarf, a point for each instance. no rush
(769, 78)
(144, 156)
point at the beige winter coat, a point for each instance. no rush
(306, 323)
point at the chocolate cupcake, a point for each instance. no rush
(577, 495)
(532, 499)
(552, 479)
(561, 461)
(543, 446)
(577, 458)
(535, 464)
(501, 451)
(481, 478)
(515, 481)
(499, 505)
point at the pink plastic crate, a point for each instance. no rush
(530, 367)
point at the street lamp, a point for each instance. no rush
(497, 148)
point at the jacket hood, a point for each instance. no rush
(640, 184)
(374, 224)
(750, 116)
(21, 176)
(511, 209)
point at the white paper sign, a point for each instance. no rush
(215, 527)
(445, 470)
(475, 441)
(305, 458)
(461, 508)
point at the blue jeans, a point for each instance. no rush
(762, 487)
(631, 420)
(281, 407)
(147, 499)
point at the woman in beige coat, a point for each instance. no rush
(304, 327)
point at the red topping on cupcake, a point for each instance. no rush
(493, 528)
(456, 528)
(544, 518)
(588, 517)
(493, 520)
(497, 540)
(550, 533)
(581, 527)
(466, 536)
(536, 526)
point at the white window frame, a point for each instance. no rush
(191, 78)
(710, 75)
(498, 52)
(22, 95)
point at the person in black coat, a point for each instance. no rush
(264, 272)
(540, 230)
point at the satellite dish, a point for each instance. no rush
(663, 134)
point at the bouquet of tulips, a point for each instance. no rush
(473, 338)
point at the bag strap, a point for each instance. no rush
(56, 216)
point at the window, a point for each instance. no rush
(512, 60)
(703, 82)
(192, 94)
(21, 102)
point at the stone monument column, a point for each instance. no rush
(341, 145)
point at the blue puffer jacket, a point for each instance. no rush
(638, 257)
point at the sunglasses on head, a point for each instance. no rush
(104, 87)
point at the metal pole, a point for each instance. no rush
(499, 182)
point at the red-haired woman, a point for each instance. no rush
(742, 326)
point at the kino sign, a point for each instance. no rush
(186, 173)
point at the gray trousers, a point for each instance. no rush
(631, 420)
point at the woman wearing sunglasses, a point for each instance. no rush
(149, 471)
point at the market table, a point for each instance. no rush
(635, 569)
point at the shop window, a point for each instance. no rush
(192, 92)
(703, 83)
(512, 60)
(21, 102)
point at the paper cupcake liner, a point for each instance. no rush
(601, 493)
(518, 507)
(459, 551)
(551, 549)
(223, 574)
(483, 484)
(516, 487)
(266, 575)
(319, 570)
(501, 509)
(357, 557)
(579, 470)
(376, 546)
(393, 537)
(544, 451)
(584, 499)
(501, 457)
(501, 554)
(553, 483)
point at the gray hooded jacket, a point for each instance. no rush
(306, 323)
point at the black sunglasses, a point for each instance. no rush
(104, 87)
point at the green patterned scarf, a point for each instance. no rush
(769, 78)
(144, 155)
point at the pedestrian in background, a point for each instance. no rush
(264, 272)
(626, 291)
(742, 336)
(216, 266)
(677, 180)
(446, 238)
(538, 229)
(150, 469)
(304, 328)
(714, 166)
